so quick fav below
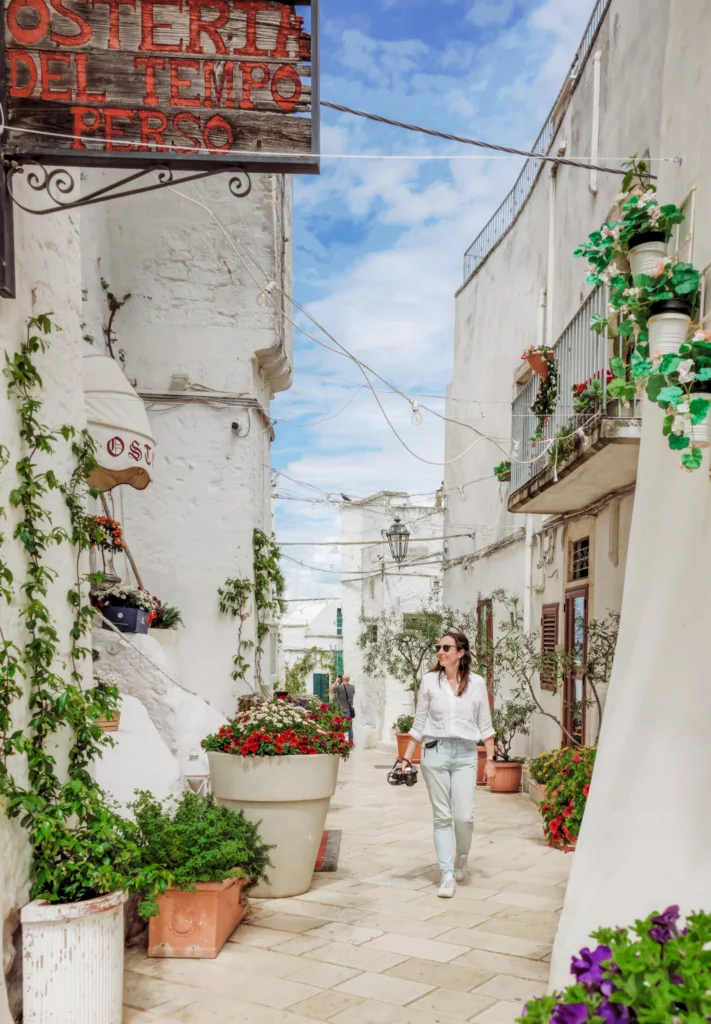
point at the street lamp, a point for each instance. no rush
(398, 538)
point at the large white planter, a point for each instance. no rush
(72, 957)
(289, 798)
(701, 433)
(644, 257)
(667, 333)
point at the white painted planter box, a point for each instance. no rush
(667, 333)
(289, 797)
(73, 961)
(645, 257)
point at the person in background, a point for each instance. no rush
(344, 692)
(452, 716)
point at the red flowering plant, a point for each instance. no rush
(106, 533)
(282, 726)
(567, 772)
(588, 397)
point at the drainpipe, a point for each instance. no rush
(550, 284)
(528, 547)
(595, 140)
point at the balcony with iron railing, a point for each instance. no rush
(571, 458)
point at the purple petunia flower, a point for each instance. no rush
(587, 967)
(613, 1013)
(607, 988)
(570, 1013)
(676, 980)
(665, 925)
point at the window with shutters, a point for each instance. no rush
(339, 622)
(549, 644)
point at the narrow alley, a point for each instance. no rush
(371, 943)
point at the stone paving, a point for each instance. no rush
(372, 943)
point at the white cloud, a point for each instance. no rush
(487, 13)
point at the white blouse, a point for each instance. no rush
(441, 714)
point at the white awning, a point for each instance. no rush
(117, 421)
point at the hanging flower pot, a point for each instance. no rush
(668, 326)
(646, 250)
(539, 362)
(112, 723)
(701, 432)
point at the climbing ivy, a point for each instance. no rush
(295, 675)
(232, 601)
(269, 588)
(81, 848)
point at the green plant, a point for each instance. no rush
(545, 401)
(167, 617)
(542, 768)
(568, 772)
(295, 675)
(589, 396)
(510, 719)
(269, 589)
(564, 444)
(652, 973)
(403, 724)
(115, 304)
(232, 601)
(81, 847)
(502, 472)
(196, 841)
(126, 597)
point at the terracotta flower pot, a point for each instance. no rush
(538, 362)
(110, 724)
(480, 766)
(508, 777)
(196, 925)
(403, 738)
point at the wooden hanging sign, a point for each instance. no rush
(185, 82)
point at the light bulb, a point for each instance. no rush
(462, 495)
(584, 438)
(263, 298)
(416, 414)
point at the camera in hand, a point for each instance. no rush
(401, 776)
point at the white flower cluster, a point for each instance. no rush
(277, 715)
(132, 597)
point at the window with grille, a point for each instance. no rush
(549, 645)
(580, 559)
(339, 622)
(373, 634)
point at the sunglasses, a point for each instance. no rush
(446, 648)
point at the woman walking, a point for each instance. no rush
(452, 716)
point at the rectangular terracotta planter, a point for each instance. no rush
(196, 925)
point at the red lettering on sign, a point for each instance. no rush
(83, 96)
(50, 78)
(86, 121)
(150, 65)
(84, 34)
(283, 74)
(291, 27)
(134, 451)
(210, 27)
(112, 114)
(149, 454)
(149, 26)
(177, 83)
(115, 446)
(225, 89)
(186, 118)
(152, 132)
(249, 82)
(251, 10)
(218, 123)
(28, 36)
(20, 59)
(114, 6)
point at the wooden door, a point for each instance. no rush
(576, 646)
(321, 680)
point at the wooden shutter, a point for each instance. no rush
(549, 642)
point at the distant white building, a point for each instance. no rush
(314, 622)
(374, 583)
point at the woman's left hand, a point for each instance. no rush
(489, 772)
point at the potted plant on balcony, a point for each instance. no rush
(540, 358)
(167, 617)
(213, 856)
(278, 763)
(130, 609)
(401, 728)
(502, 472)
(567, 772)
(589, 396)
(654, 971)
(510, 719)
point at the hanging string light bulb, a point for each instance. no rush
(263, 298)
(416, 414)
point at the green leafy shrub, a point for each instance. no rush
(543, 768)
(653, 973)
(196, 841)
(568, 776)
(167, 617)
(510, 719)
(403, 723)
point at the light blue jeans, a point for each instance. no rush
(449, 770)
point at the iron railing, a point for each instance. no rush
(580, 355)
(506, 214)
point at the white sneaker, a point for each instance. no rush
(460, 867)
(447, 886)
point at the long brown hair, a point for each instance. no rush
(465, 665)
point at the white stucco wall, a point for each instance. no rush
(48, 280)
(194, 311)
(309, 623)
(379, 701)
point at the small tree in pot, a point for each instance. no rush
(510, 719)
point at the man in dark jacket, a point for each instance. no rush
(344, 692)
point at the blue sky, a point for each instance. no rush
(379, 243)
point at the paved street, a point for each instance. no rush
(372, 943)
